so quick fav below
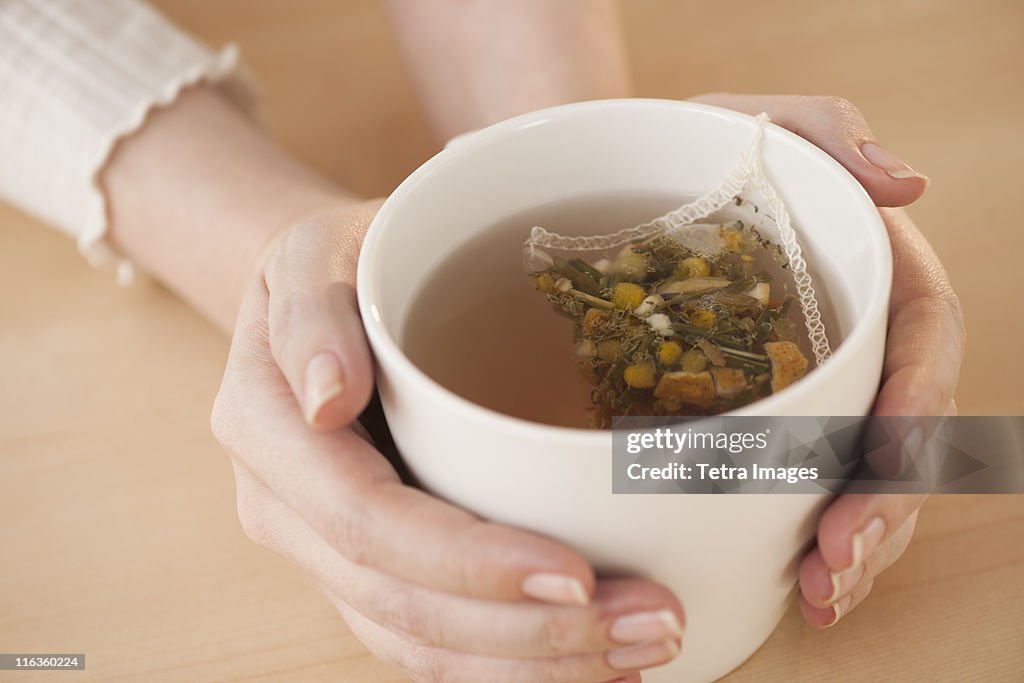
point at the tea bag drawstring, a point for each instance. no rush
(748, 173)
(791, 247)
(684, 215)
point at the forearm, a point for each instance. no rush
(475, 63)
(199, 194)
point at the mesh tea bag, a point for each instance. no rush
(696, 312)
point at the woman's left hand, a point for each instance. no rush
(860, 535)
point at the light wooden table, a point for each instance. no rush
(117, 523)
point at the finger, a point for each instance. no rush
(924, 350)
(855, 525)
(622, 612)
(821, 587)
(902, 450)
(925, 344)
(826, 618)
(316, 335)
(892, 548)
(829, 615)
(351, 496)
(430, 665)
(836, 126)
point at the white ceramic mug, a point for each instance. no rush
(731, 559)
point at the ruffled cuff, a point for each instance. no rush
(78, 77)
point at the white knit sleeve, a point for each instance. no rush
(76, 76)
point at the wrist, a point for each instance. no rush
(200, 194)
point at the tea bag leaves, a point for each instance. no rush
(700, 311)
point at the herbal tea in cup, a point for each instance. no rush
(653, 329)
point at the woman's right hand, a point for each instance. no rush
(425, 585)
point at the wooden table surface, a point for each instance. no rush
(117, 524)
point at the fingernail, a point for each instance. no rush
(844, 581)
(556, 588)
(838, 610)
(890, 163)
(323, 382)
(910, 449)
(643, 655)
(866, 540)
(646, 626)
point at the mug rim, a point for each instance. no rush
(383, 342)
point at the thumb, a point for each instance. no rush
(836, 126)
(316, 334)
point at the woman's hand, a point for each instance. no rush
(425, 585)
(860, 535)
(204, 201)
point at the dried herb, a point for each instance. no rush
(663, 330)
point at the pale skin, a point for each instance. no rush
(266, 249)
